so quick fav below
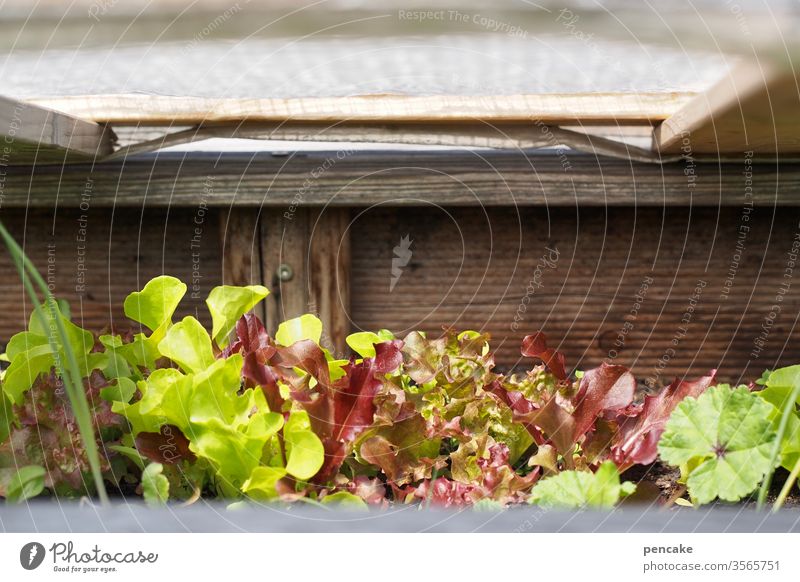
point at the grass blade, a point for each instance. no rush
(788, 409)
(787, 487)
(69, 370)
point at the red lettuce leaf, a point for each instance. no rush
(168, 446)
(608, 389)
(341, 410)
(535, 346)
(636, 441)
(257, 350)
(371, 490)
(402, 451)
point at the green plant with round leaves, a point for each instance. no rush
(721, 441)
(782, 391)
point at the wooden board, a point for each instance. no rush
(754, 108)
(583, 109)
(30, 133)
(95, 257)
(468, 267)
(485, 178)
(306, 263)
(492, 270)
(461, 76)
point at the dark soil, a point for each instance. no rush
(659, 483)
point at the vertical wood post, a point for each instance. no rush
(305, 258)
(240, 244)
(329, 274)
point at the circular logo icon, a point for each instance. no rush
(31, 555)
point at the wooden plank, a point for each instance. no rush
(32, 133)
(486, 178)
(582, 109)
(284, 244)
(306, 257)
(329, 274)
(604, 256)
(240, 242)
(457, 136)
(754, 108)
(95, 257)
(576, 274)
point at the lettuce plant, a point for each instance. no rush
(179, 411)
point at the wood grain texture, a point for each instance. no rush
(756, 107)
(480, 178)
(587, 108)
(315, 245)
(494, 271)
(284, 241)
(328, 275)
(31, 133)
(240, 244)
(469, 267)
(120, 253)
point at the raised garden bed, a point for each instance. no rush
(175, 413)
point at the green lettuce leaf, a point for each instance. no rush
(305, 327)
(262, 481)
(344, 500)
(155, 486)
(227, 304)
(154, 305)
(187, 344)
(27, 482)
(576, 489)
(305, 452)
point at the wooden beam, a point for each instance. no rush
(31, 133)
(580, 108)
(240, 247)
(329, 274)
(456, 178)
(756, 107)
(283, 253)
(306, 264)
